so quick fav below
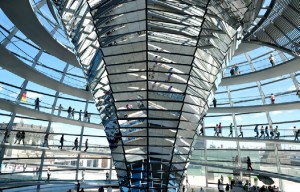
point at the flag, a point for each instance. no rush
(24, 97)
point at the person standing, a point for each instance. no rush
(272, 98)
(241, 132)
(37, 104)
(78, 186)
(272, 60)
(296, 131)
(262, 132)
(236, 69)
(22, 137)
(79, 119)
(107, 175)
(249, 167)
(18, 137)
(101, 189)
(201, 132)
(222, 179)
(230, 129)
(37, 171)
(256, 130)
(69, 111)
(61, 142)
(216, 130)
(215, 103)
(85, 118)
(73, 113)
(75, 144)
(6, 136)
(267, 132)
(45, 144)
(82, 175)
(220, 129)
(24, 167)
(48, 174)
(227, 187)
(86, 145)
(232, 71)
(276, 133)
(271, 132)
(60, 108)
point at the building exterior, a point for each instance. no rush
(152, 92)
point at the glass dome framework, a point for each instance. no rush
(153, 68)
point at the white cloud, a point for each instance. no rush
(276, 112)
(210, 125)
(290, 111)
(229, 118)
(259, 115)
(238, 118)
(13, 94)
(19, 120)
(291, 88)
(33, 95)
(226, 118)
(1, 88)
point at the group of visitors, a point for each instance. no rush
(70, 111)
(78, 187)
(62, 139)
(20, 136)
(71, 114)
(266, 132)
(235, 70)
(272, 99)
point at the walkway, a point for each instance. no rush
(249, 139)
(13, 107)
(282, 69)
(25, 19)
(56, 185)
(18, 67)
(54, 149)
(256, 108)
(254, 172)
